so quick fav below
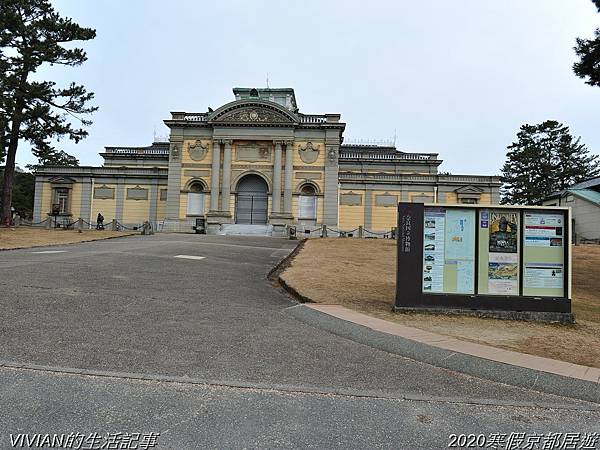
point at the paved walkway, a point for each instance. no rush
(562, 368)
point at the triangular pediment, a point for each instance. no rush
(62, 180)
(468, 190)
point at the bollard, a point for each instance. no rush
(360, 231)
(80, 225)
(323, 231)
(114, 225)
(49, 223)
(393, 234)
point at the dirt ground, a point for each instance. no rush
(25, 237)
(360, 274)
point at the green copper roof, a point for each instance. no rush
(587, 194)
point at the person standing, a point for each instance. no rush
(100, 222)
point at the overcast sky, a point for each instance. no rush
(457, 78)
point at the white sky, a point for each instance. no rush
(457, 78)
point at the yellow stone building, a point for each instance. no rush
(254, 161)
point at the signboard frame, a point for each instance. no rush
(409, 268)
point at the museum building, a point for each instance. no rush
(257, 161)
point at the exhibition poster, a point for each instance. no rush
(503, 231)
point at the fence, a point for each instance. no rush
(52, 222)
(325, 231)
(148, 227)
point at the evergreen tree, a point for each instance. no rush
(33, 34)
(52, 158)
(546, 158)
(588, 51)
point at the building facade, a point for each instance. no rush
(256, 160)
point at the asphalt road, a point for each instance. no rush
(122, 336)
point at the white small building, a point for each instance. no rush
(584, 200)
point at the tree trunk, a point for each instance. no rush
(9, 167)
(11, 153)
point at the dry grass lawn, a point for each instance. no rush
(360, 274)
(25, 237)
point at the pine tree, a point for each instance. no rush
(588, 51)
(546, 158)
(33, 34)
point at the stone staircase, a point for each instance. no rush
(236, 229)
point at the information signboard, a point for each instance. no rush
(475, 257)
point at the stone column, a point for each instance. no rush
(277, 179)
(214, 176)
(226, 188)
(289, 169)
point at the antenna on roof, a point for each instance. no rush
(395, 137)
(267, 80)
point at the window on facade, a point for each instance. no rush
(307, 203)
(62, 200)
(195, 200)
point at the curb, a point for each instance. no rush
(486, 369)
(273, 274)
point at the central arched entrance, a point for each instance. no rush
(251, 202)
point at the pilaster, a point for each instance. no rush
(289, 169)
(226, 186)
(330, 200)
(214, 176)
(174, 180)
(37, 202)
(276, 209)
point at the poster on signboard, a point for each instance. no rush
(460, 242)
(544, 276)
(503, 231)
(433, 250)
(543, 230)
(460, 250)
(503, 278)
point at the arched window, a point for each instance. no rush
(307, 203)
(195, 199)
